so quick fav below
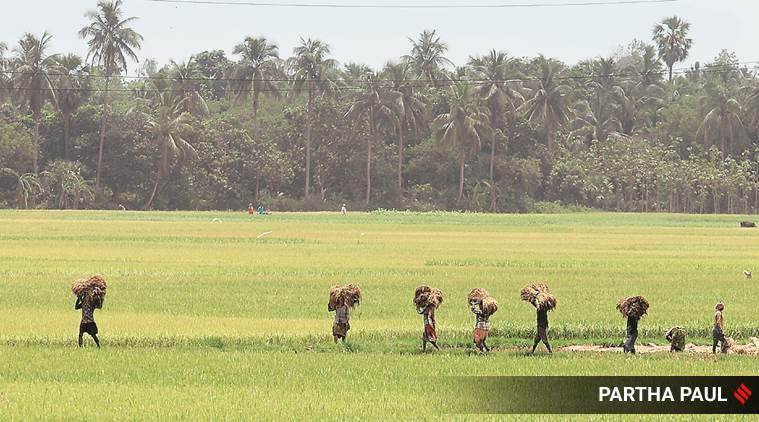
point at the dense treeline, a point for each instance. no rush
(631, 131)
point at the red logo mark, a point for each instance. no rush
(742, 394)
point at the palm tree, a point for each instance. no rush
(71, 84)
(548, 102)
(428, 56)
(256, 73)
(501, 99)
(168, 125)
(32, 81)
(595, 119)
(312, 71)
(722, 119)
(186, 78)
(4, 77)
(410, 107)
(26, 185)
(463, 127)
(671, 35)
(380, 108)
(110, 42)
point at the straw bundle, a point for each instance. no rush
(489, 306)
(633, 306)
(340, 296)
(477, 295)
(728, 344)
(539, 295)
(426, 296)
(91, 288)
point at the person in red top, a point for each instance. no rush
(251, 209)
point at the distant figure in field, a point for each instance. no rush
(251, 209)
(90, 294)
(633, 308)
(341, 300)
(343, 210)
(718, 331)
(427, 300)
(122, 207)
(748, 274)
(676, 337)
(748, 224)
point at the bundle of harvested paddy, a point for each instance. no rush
(426, 296)
(728, 344)
(633, 306)
(340, 296)
(539, 295)
(477, 295)
(489, 306)
(91, 288)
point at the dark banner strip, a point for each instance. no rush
(605, 395)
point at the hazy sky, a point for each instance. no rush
(372, 36)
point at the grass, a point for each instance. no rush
(205, 321)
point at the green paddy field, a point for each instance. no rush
(223, 316)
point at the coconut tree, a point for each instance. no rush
(548, 103)
(26, 185)
(111, 42)
(168, 126)
(410, 107)
(71, 84)
(32, 80)
(492, 71)
(381, 108)
(256, 73)
(428, 56)
(313, 71)
(4, 76)
(463, 128)
(722, 119)
(186, 81)
(671, 36)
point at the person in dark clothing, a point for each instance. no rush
(718, 331)
(88, 325)
(542, 332)
(632, 334)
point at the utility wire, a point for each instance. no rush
(348, 87)
(414, 6)
(678, 70)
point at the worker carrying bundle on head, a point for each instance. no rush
(427, 300)
(483, 306)
(541, 298)
(633, 308)
(90, 294)
(341, 300)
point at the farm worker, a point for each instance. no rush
(632, 334)
(676, 338)
(542, 330)
(481, 325)
(342, 322)
(718, 332)
(261, 210)
(88, 325)
(251, 209)
(343, 210)
(429, 335)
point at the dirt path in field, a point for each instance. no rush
(749, 349)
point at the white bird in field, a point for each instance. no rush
(747, 273)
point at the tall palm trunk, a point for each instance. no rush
(67, 136)
(369, 143)
(309, 109)
(35, 156)
(155, 192)
(492, 146)
(103, 124)
(255, 115)
(401, 146)
(461, 177)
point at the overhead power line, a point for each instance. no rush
(415, 6)
(344, 85)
